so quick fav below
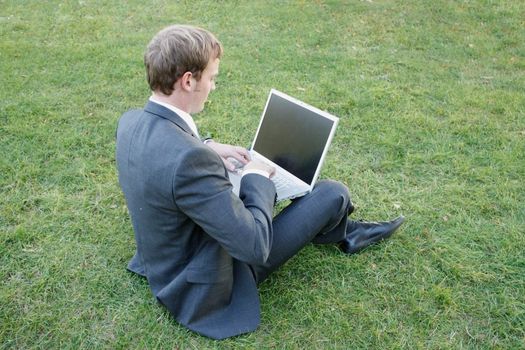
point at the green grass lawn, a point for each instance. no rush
(431, 96)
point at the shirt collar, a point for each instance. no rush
(186, 117)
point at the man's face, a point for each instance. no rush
(204, 85)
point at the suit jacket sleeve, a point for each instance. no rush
(242, 225)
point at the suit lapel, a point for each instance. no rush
(165, 113)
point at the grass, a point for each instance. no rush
(430, 96)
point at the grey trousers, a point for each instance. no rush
(319, 217)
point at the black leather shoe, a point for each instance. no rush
(360, 235)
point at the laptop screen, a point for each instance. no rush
(293, 136)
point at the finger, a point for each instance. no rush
(229, 165)
(242, 155)
(272, 171)
(243, 151)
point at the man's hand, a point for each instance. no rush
(259, 165)
(227, 151)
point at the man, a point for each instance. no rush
(203, 249)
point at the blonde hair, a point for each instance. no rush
(176, 50)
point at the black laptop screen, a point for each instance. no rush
(293, 137)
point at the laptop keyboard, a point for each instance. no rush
(281, 182)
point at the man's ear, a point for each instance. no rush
(186, 82)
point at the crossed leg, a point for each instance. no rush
(319, 217)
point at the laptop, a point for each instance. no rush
(293, 137)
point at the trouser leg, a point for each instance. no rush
(319, 217)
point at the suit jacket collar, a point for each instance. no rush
(165, 113)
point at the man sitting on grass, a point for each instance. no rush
(202, 248)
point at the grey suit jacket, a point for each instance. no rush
(195, 239)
